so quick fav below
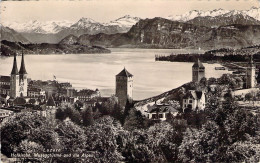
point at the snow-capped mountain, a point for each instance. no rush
(11, 35)
(253, 12)
(122, 24)
(38, 27)
(84, 23)
(196, 13)
(125, 21)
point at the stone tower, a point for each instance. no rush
(14, 81)
(250, 74)
(124, 87)
(23, 84)
(198, 71)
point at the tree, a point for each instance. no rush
(117, 113)
(200, 145)
(60, 114)
(128, 107)
(87, 116)
(248, 96)
(135, 120)
(17, 128)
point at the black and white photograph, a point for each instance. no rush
(130, 81)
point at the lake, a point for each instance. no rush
(98, 70)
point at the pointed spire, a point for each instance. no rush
(15, 69)
(22, 69)
(198, 64)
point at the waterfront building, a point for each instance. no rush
(250, 74)
(124, 87)
(194, 100)
(198, 71)
(18, 81)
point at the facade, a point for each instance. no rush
(5, 80)
(124, 87)
(87, 94)
(5, 113)
(195, 100)
(159, 112)
(18, 82)
(35, 92)
(250, 75)
(198, 71)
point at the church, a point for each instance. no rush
(18, 80)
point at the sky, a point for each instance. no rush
(107, 10)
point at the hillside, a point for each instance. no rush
(164, 33)
(10, 48)
(11, 35)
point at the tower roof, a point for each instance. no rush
(15, 69)
(198, 64)
(50, 102)
(124, 73)
(22, 68)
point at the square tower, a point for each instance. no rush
(250, 74)
(124, 87)
(198, 71)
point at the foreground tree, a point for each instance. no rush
(87, 116)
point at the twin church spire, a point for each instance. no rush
(22, 68)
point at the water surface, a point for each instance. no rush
(98, 70)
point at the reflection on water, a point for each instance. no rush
(99, 70)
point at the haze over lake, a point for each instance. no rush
(98, 70)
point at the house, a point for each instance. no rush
(87, 94)
(5, 113)
(35, 92)
(5, 89)
(160, 111)
(5, 80)
(195, 100)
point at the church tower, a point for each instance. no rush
(14, 82)
(124, 87)
(198, 71)
(250, 74)
(23, 84)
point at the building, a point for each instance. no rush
(194, 100)
(198, 71)
(5, 80)
(160, 112)
(124, 87)
(250, 74)
(87, 94)
(5, 113)
(18, 84)
(35, 92)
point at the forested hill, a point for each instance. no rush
(10, 48)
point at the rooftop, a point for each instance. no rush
(198, 64)
(124, 73)
(5, 78)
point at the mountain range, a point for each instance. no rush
(206, 29)
(164, 33)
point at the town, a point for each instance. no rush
(22, 94)
(54, 120)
